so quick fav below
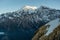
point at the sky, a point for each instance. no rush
(13, 5)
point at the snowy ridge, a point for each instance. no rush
(53, 24)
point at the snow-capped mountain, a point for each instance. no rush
(43, 13)
(25, 23)
(28, 9)
(50, 29)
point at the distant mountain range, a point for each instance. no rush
(23, 23)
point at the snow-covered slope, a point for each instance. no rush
(53, 24)
(50, 31)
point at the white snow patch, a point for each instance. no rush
(10, 18)
(53, 24)
(2, 33)
(30, 7)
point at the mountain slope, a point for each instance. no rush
(50, 31)
(22, 24)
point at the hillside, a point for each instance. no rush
(22, 24)
(47, 32)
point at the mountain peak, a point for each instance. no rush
(44, 7)
(29, 7)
